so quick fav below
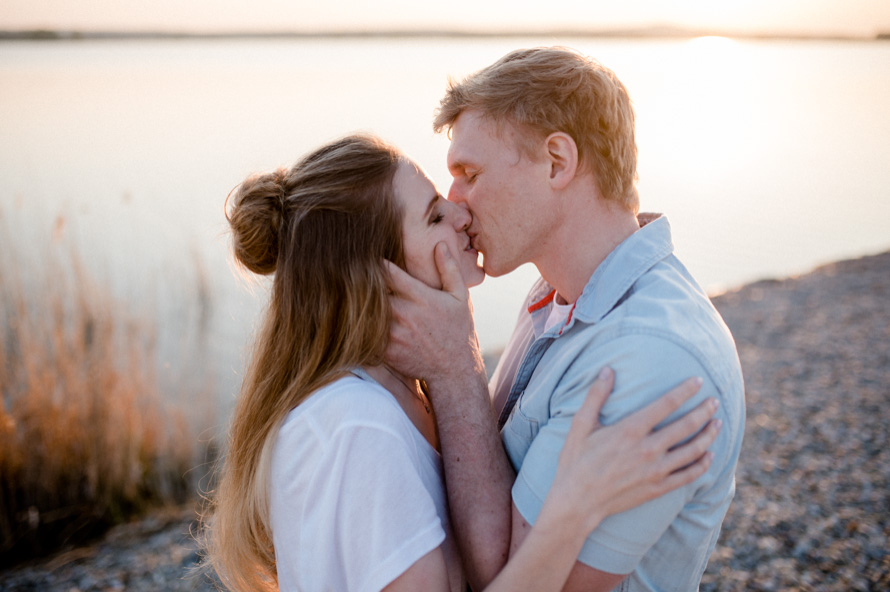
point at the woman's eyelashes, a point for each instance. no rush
(437, 215)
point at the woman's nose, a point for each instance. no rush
(461, 216)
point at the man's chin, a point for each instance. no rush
(491, 270)
(472, 283)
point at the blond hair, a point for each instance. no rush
(555, 89)
(323, 227)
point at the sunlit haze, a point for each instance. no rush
(808, 17)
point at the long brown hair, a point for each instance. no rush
(323, 227)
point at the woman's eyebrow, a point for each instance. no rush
(430, 205)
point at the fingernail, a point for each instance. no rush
(446, 252)
(718, 423)
(605, 373)
(697, 381)
(715, 404)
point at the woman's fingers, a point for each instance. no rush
(692, 451)
(586, 419)
(686, 475)
(686, 426)
(684, 463)
(675, 454)
(688, 462)
(628, 463)
(656, 412)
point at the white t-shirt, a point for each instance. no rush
(356, 493)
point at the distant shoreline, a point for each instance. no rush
(629, 33)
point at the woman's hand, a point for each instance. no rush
(606, 470)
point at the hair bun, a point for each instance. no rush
(257, 219)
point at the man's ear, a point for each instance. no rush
(563, 154)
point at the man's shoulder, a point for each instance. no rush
(663, 322)
(665, 302)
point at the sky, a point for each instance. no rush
(816, 17)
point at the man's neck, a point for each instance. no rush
(591, 229)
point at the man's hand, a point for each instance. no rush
(432, 334)
(432, 337)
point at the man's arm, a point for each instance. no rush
(433, 337)
(478, 473)
(642, 368)
(626, 465)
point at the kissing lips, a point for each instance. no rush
(471, 243)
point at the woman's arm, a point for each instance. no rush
(606, 470)
(428, 573)
(601, 471)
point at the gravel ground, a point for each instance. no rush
(153, 554)
(812, 509)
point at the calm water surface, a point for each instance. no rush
(768, 157)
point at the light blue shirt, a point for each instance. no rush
(643, 315)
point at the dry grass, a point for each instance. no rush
(86, 439)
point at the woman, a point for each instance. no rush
(332, 479)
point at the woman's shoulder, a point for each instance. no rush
(347, 403)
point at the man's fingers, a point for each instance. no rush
(449, 272)
(399, 281)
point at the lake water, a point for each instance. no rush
(768, 157)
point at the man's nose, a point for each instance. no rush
(455, 195)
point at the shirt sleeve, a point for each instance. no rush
(369, 515)
(621, 540)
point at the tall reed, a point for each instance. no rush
(86, 437)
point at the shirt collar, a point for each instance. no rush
(636, 255)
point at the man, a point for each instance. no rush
(543, 155)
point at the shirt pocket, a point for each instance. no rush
(523, 426)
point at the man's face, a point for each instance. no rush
(502, 187)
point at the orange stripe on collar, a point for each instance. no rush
(569, 320)
(542, 302)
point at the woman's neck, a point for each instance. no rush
(411, 398)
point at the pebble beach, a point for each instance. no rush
(812, 507)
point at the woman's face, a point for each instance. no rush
(428, 219)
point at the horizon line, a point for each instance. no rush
(654, 31)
